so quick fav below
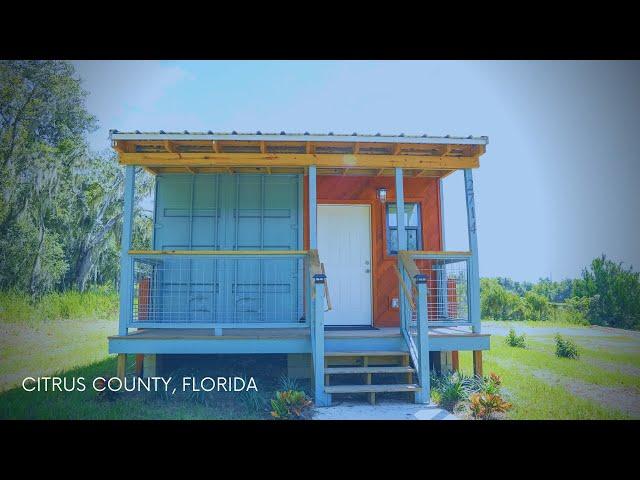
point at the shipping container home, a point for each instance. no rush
(326, 248)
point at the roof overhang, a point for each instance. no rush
(286, 153)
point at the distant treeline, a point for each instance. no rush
(607, 293)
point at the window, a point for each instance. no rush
(411, 227)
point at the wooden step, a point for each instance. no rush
(381, 369)
(402, 387)
(368, 353)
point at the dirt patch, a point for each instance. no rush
(624, 399)
(618, 331)
(615, 367)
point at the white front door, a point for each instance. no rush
(344, 245)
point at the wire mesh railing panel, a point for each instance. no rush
(227, 290)
(447, 288)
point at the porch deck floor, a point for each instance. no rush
(278, 333)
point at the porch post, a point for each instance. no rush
(126, 265)
(322, 399)
(313, 209)
(424, 395)
(443, 281)
(402, 244)
(402, 236)
(474, 271)
(441, 272)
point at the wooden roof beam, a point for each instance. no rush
(120, 146)
(373, 162)
(169, 146)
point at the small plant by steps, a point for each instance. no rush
(290, 405)
(485, 406)
(474, 397)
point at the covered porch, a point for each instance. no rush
(223, 298)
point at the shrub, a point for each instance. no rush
(614, 292)
(514, 340)
(475, 395)
(485, 406)
(536, 306)
(566, 348)
(253, 401)
(290, 405)
(498, 303)
(574, 310)
(491, 384)
(287, 383)
(451, 388)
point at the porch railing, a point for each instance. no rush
(205, 289)
(447, 276)
(433, 291)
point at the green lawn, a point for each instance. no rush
(46, 347)
(70, 348)
(604, 383)
(18, 404)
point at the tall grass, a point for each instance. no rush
(18, 307)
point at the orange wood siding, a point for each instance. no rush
(362, 190)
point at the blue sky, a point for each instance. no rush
(557, 186)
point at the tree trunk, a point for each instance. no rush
(36, 264)
(85, 262)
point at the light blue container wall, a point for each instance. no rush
(229, 212)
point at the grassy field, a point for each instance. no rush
(78, 348)
(604, 383)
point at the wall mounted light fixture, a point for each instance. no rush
(382, 195)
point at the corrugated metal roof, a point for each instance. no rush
(298, 137)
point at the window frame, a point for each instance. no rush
(418, 228)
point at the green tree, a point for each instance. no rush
(554, 291)
(498, 303)
(613, 292)
(519, 288)
(96, 208)
(43, 125)
(61, 205)
(536, 306)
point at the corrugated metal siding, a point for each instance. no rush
(230, 212)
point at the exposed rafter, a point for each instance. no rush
(341, 155)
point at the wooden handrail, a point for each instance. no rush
(409, 265)
(326, 289)
(314, 263)
(438, 253)
(406, 290)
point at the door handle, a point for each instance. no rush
(367, 271)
